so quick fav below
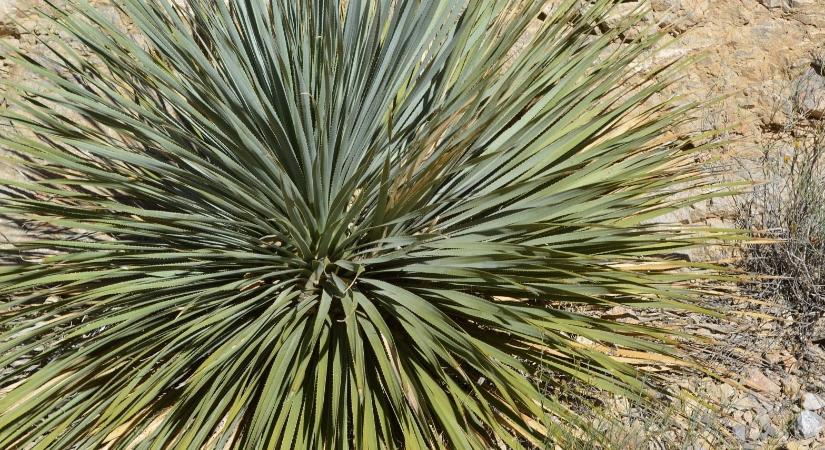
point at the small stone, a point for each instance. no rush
(763, 420)
(796, 445)
(771, 431)
(754, 433)
(741, 432)
(812, 402)
(620, 13)
(20, 362)
(708, 419)
(665, 5)
(745, 403)
(621, 314)
(801, 3)
(584, 341)
(28, 25)
(809, 424)
(773, 357)
(763, 405)
(620, 405)
(726, 392)
(757, 381)
(773, 3)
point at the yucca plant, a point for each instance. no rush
(335, 224)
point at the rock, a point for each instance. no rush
(810, 94)
(811, 19)
(780, 357)
(796, 445)
(809, 424)
(726, 392)
(680, 15)
(757, 381)
(620, 13)
(763, 420)
(812, 402)
(621, 314)
(741, 433)
(621, 405)
(773, 357)
(20, 362)
(721, 393)
(665, 5)
(753, 433)
(7, 8)
(774, 3)
(584, 341)
(745, 403)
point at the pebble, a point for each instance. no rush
(812, 402)
(763, 420)
(754, 433)
(757, 381)
(771, 431)
(741, 432)
(774, 3)
(20, 362)
(745, 403)
(726, 392)
(809, 424)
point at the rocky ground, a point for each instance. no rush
(771, 388)
(767, 56)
